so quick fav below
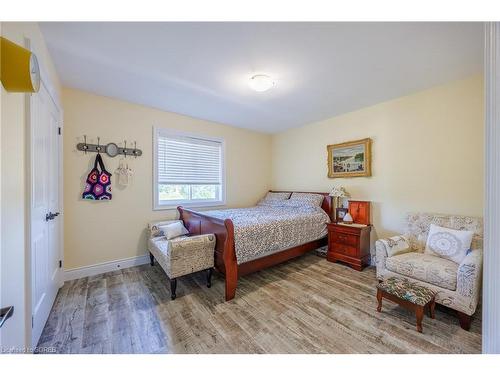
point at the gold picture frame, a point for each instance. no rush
(353, 159)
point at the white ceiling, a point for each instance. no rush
(321, 69)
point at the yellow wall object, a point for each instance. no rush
(16, 67)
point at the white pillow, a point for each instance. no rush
(173, 230)
(448, 243)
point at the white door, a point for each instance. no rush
(45, 208)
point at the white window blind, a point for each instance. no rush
(189, 170)
(189, 161)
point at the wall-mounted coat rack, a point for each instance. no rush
(111, 149)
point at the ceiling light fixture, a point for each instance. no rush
(261, 82)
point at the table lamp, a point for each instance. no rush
(337, 193)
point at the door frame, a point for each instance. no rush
(491, 259)
(50, 87)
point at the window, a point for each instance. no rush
(188, 170)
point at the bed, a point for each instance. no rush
(251, 239)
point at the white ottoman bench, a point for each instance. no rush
(181, 255)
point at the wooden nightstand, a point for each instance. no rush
(349, 244)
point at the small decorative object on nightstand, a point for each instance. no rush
(337, 193)
(347, 218)
(360, 212)
(350, 243)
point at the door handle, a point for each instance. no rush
(51, 216)
(6, 313)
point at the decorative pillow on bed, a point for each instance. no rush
(273, 199)
(306, 199)
(448, 243)
(173, 230)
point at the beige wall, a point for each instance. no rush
(97, 232)
(14, 240)
(427, 154)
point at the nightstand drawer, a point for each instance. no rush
(344, 238)
(345, 249)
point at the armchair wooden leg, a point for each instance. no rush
(432, 306)
(173, 288)
(209, 277)
(464, 320)
(152, 259)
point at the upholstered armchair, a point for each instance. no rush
(458, 286)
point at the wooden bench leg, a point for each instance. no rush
(420, 315)
(209, 277)
(173, 288)
(379, 299)
(432, 306)
(152, 259)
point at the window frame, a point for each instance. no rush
(157, 205)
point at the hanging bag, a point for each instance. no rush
(98, 184)
(124, 174)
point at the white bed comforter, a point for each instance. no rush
(263, 230)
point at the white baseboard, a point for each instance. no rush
(96, 269)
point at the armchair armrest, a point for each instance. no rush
(469, 275)
(202, 242)
(387, 247)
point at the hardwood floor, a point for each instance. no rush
(307, 305)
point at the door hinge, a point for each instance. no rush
(5, 313)
(59, 130)
(60, 264)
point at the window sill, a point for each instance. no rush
(173, 206)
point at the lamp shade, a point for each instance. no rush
(340, 192)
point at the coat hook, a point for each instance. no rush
(85, 147)
(135, 149)
(125, 149)
(98, 148)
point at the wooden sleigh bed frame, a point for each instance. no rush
(225, 254)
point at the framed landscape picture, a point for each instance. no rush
(350, 159)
